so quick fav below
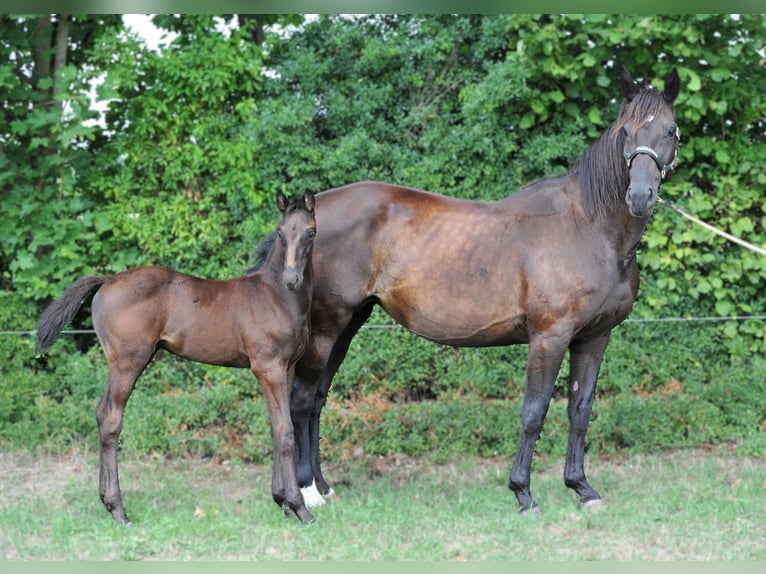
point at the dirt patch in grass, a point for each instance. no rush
(23, 475)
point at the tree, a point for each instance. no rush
(46, 221)
(198, 135)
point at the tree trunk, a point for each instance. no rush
(41, 46)
(256, 33)
(62, 35)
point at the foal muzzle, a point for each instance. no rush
(292, 279)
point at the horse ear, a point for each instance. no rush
(672, 85)
(627, 85)
(281, 202)
(308, 200)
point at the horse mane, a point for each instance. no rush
(266, 246)
(262, 252)
(602, 169)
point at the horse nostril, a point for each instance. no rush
(291, 280)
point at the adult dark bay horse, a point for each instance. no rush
(259, 321)
(553, 266)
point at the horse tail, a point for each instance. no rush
(63, 310)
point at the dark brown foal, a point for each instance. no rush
(258, 321)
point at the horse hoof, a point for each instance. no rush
(304, 515)
(311, 496)
(592, 505)
(531, 511)
(121, 518)
(301, 514)
(330, 496)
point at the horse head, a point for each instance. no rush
(651, 140)
(296, 233)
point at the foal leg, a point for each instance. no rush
(275, 381)
(546, 352)
(109, 415)
(585, 361)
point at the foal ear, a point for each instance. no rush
(628, 87)
(281, 202)
(672, 85)
(308, 200)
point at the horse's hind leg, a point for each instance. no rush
(109, 415)
(585, 361)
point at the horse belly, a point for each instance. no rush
(472, 319)
(209, 335)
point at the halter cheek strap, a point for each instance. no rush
(664, 168)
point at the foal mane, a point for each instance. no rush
(603, 171)
(262, 252)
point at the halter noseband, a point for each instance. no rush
(664, 168)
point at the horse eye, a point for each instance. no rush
(310, 233)
(671, 132)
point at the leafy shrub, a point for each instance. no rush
(662, 385)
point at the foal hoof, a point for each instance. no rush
(301, 514)
(121, 518)
(592, 505)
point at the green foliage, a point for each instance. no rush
(49, 227)
(179, 174)
(182, 168)
(651, 396)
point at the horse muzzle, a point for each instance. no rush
(292, 279)
(643, 189)
(641, 199)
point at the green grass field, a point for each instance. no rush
(684, 505)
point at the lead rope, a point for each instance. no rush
(715, 230)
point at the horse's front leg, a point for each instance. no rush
(301, 408)
(585, 361)
(334, 350)
(276, 381)
(546, 351)
(314, 433)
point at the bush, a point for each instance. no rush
(662, 385)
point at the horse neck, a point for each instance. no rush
(274, 264)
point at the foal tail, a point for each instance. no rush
(63, 309)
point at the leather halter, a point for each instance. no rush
(644, 150)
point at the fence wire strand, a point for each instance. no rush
(739, 318)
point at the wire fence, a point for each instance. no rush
(688, 319)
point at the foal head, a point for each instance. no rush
(295, 234)
(650, 140)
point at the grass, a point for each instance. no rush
(685, 505)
